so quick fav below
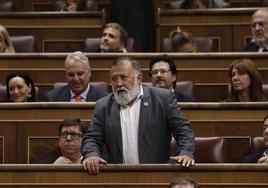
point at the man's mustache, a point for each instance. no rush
(121, 89)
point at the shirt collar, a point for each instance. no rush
(83, 95)
(261, 49)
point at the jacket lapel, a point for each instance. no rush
(146, 105)
(116, 128)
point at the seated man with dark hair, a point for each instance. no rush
(183, 182)
(71, 132)
(163, 74)
(262, 156)
(114, 39)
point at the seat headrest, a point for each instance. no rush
(24, 44)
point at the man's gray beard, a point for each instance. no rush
(128, 96)
(262, 43)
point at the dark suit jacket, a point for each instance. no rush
(251, 47)
(93, 50)
(160, 116)
(62, 93)
(184, 98)
(253, 158)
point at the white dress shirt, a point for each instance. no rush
(129, 118)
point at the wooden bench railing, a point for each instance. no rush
(55, 31)
(229, 27)
(147, 176)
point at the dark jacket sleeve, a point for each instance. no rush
(180, 127)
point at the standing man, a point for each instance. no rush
(114, 39)
(78, 88)
(135, 123)
(163, 74)
(259, 30)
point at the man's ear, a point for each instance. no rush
(139, 77)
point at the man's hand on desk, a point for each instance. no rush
(91, 164)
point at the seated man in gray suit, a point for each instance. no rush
(135, 123)
(78, 89)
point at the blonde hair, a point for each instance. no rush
(4, 37)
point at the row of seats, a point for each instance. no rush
(8, 5)
(215, 149)
(184, 87)
(27, 44)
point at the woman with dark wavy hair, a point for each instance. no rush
(245, 80)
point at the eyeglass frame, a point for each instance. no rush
(73, 135)
(162, 71)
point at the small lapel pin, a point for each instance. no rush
(145, 103)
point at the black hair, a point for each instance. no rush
(28, 80)
(73, 122)
(167, 59)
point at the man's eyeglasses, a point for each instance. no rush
(73, 135)
(161, 71)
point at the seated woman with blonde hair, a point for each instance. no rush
(245, 80)
(5, 44)
(182, 41)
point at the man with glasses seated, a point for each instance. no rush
(259, 30)
(71, 132)
(163, 74)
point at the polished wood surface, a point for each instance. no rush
(29, 131)
(55, 31)
(230, 28)
(208, 175)
(208, 71)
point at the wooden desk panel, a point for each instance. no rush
(25, 126)
(208, 175)
(45, 5)
(230, 25)
(55, 31)
(104, 60)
